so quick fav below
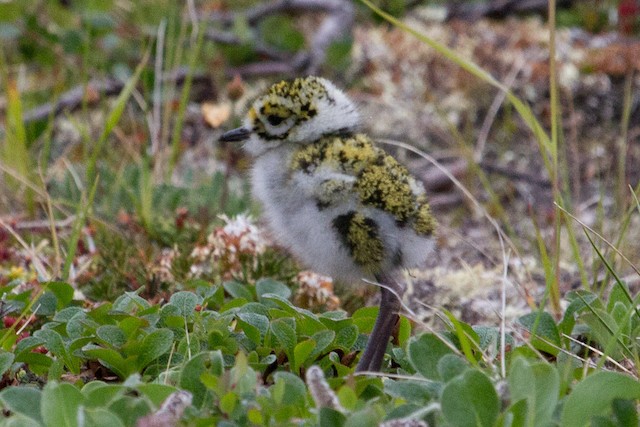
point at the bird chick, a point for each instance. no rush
(340, 204)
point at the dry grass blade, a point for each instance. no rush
(599, 353)
(501, 234)
(601, 237)
(483, 133)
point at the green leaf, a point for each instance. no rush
(233, 303)
(254, 308)
(364, 318)
(171, 310)
(290, 389)
(20, 420)
(625, 412)
(6, 359)
(404, 332)
(286, 336)
(199, 365)
(537, 383)
(130, 302)
(516, 414)
(619, 314)
(60, 405)
(346, 337)
(36, 361)
(99, 394)
(67, 314)
(157, 393)
(603, 326)
(238, 290)
(112, 335)
(594, 396)
(153, 346)
(112, 360)
(301, 352)
(467, 337)
(26, 345)
(52, 341)
(77, 325)
(424, 353)
(22, 400)
(288, 307)
(619, 294)
(186, 302)
(55, 370)
(46, 304)
(255, 326)
(490, 338)
(101, 417)
(270, 286)
(308, 324)
(129, 409)
(228, 402)
(450, 366)
(186, 347)
(323, 339)
(131, 325)
(470, 400)
(544, 332)
(348, 398)
(414, 391)
(63, 292)
(366, 417)
(328, 417)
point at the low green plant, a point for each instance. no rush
(241, 350)
(235, 343)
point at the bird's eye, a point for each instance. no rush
(274, 120)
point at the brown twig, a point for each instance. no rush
(44, 224)
(225, 37)
(72, 99)
(337, 23)
(339, 19)
(515, 175)
(472, 11)
(94, 90)
(435, 180)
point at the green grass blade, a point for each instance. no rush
(145, 197)
(466, 342)
(623, 288)
(114, 117)
(615, 335)
(15, 151)
(81, 217)
(575, 251)
(184, 100)
(544, 258)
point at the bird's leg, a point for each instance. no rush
(371, 360)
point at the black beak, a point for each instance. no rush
(235, 135)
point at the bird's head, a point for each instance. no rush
(295, 112)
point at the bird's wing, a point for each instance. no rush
(327, 187)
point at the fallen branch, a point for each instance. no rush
(499, 9)
(435, 180)
(337, 23)
(94, 91)
(73, 98)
